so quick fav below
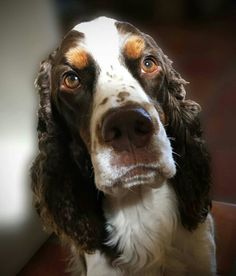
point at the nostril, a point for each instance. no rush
(127, 126)
(111, 134)
(143, 127)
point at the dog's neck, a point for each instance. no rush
(129, 199)
(138, 226)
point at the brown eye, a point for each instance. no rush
(149, 65)
(71, 81)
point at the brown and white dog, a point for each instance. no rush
(123, 174)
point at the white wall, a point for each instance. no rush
(28, 32)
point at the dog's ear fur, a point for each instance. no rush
(64, 192)
(192, 180)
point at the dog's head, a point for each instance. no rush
(110, 104)
(106, 79)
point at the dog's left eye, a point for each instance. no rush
(149, 65)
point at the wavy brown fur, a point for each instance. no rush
(64, 192)
(62, 178)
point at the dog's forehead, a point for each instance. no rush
(100, 27)
(102, 39)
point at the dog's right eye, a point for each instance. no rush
(70, 81)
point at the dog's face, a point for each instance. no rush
(105, 82)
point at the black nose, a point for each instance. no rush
(126, 128)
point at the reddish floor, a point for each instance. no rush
(225, 225)
(51, 259)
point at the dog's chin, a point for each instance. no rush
(131, 183)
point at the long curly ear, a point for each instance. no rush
(64, 194)
(192, 180)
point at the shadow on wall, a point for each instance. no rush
(28, 33)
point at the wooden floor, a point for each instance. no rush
(50, 260)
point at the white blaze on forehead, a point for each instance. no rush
(101, 39)
(104, 43)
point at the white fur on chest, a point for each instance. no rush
(142, 227)
(146, 229)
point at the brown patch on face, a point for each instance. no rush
(98, 134)
(84, 129)
(104, 101)
(78, 57)
(122, 96)
(125, 27)
(85, 135)
(161, 113)
(134, 47)
(70, 41)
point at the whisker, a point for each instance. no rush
(176, 164)
(175, 153)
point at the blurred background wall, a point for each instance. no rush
(199, 35)
(29, 30)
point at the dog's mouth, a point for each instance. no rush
(136, 176)
(132, 177)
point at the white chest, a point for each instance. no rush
(142, 227)
(146, 230)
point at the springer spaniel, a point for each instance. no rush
(122, 175)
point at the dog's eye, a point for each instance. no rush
(71, 81)
(149, 65)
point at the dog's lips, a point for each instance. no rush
(137, 176)
(148, 176)
(137, 171)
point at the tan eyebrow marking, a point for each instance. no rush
(134, 47)
(78, 57)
